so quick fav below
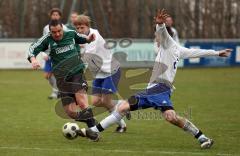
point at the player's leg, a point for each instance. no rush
(171, 116)
(78, 109)
(134, 103)
(82, 99)
(113, 118)
(86, 115)
(53, 83)
(73, 92)
(110, 87)
(97, 100)
(71, 109)
(112, 106)
(51, 79)
(80, 87)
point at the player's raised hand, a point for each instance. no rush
(161, 16)
(35, 63)
(91, 38)
(225, 52)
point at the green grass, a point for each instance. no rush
(210, 97)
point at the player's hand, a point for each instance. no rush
(35, 63)
(91, 38)
(161, 16)
(225, 52)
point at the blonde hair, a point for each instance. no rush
(83, 20)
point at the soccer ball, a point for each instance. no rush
(69, 130)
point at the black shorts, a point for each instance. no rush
(70, 85)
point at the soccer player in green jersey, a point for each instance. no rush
(67, 67)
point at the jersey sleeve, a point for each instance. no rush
(80, 38)
(165, 39)
(194, 53)
(38, 46)
(92, 48)
(45, 30)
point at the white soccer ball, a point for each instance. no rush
(69, 130)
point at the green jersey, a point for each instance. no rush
(71, 27)
(60, 51)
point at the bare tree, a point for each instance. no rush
(126, 18)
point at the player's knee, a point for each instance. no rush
(123, 107)
(47, 75)
(82, 100)
(97, 101)
(70, 113)
(170, 116)
(133, 102)
(107, 102)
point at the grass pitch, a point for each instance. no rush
(209, 97)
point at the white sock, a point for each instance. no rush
(116, 103)
(191, 128)
(201, 136)
(108, 121)
(122, 123)
(53, 83)
(94, 128)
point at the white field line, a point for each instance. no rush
(111, 151)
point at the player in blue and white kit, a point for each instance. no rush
(104, 68)
(158, 92)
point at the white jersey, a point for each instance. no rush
(169, 53)
(100, 60)
(156, 44)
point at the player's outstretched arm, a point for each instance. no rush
(82, 39)
(225, 52)
(196, 53)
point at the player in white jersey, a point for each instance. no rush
(158, 92)
(104, 68)
(55, 14)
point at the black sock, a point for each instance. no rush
(198, 134)
(91, 122)
(99, 127)
(86, 116)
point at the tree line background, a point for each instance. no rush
(125, 18)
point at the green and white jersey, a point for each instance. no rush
(60, 51)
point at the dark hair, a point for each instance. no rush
(55, 10)
(170, 32)
(54, 23)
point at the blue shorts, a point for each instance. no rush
(157, 97)
(48, 66)
(106, 85)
